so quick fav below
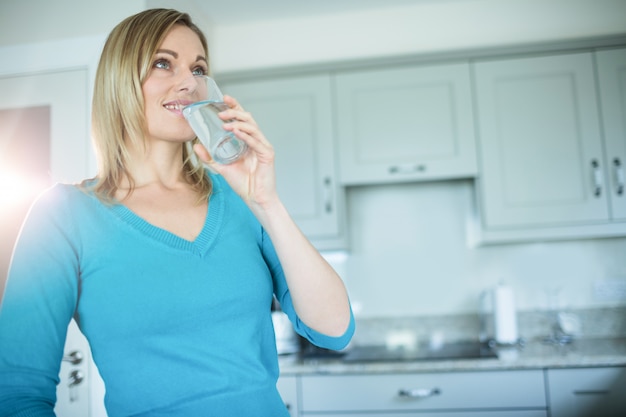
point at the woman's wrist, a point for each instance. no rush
(270, 214)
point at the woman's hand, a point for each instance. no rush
(252, 176)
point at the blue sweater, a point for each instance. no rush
(176, 328)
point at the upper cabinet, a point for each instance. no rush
(543, 170)
(405, 124)
(544, 135)
(612, 78)
(296, 117)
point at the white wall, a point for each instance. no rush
(409, 256)
(32, 21)
(427, 26)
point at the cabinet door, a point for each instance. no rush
(612, 79)
(295, 116)
(587, 392)
(288, 388)
(540, 144)
(405, 124)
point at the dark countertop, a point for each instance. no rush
(535, 354)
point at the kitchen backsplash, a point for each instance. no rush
(532, 325)
(409, 256)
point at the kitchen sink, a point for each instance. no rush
(448, 351)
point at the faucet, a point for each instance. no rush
(564, 326)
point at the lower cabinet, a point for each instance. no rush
(489, 393)
(288, 389)
(523, 413)
(568, 392)
(587, 392)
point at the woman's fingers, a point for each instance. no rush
(232, 102)
(237, 119)
(235, 111)
(202, 153)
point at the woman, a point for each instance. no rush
(168, 269)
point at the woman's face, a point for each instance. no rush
(172, 84)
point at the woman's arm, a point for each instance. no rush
(37, 306)
(317, 292)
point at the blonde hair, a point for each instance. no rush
(118, 106)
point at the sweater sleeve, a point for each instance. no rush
(281, 290)
(38, 304)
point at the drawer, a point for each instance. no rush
(450, 390)
(514, 413)
(587, 391)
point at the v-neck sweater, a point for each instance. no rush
(176, 327)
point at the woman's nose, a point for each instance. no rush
(189, 84)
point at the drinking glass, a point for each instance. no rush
(223, 145)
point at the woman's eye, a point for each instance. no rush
(162, 64)
(199, 71)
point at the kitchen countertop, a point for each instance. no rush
(535, 354)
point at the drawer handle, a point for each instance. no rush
(592, 392)
(406, 169)
(418, 392)
(75, 357)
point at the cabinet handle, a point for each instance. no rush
(592, 392)
(76, 377)
(619, 176)
(75, 357)
(597, 178)
(407, 169)
(328, 195)
(418, 392)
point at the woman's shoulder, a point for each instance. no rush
(220, 185)
(216, 179)
(223, 195)
(60, 197)
(62, 193)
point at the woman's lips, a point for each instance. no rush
(177, 106)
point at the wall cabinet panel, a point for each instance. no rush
(544, 172)
(296, 117)
(612, 80)
(405, 124)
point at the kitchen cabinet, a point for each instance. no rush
(405, 124)
(612, 80)
(543, 168)
(295, 115)
(498, 393)
(288, 389)
(587, 392)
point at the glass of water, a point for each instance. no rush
(223, 145)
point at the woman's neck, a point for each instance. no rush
(160, 163)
